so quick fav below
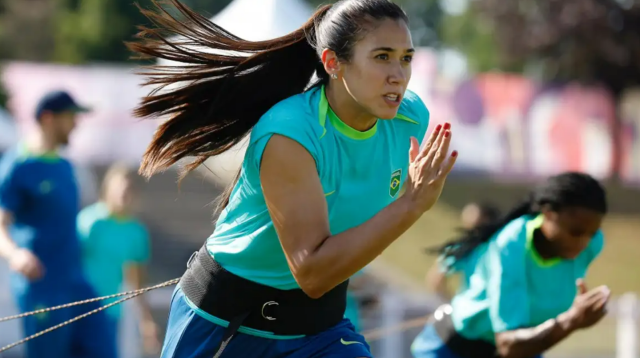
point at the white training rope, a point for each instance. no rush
(370, 335)
(129, 294)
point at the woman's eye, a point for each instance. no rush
(408, 58)
(383, 57)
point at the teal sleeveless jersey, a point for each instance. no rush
(361, 173)
(506, 284)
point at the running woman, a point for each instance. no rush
(115, 246)
(473, 216)
(522, 288)
(39, 203)
(318, 196)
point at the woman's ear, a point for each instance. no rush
(330, 62)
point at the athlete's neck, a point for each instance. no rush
(349, 112)
(41, 143)
(543, 246)
(116, 210)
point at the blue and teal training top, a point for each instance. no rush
(507, 285)
(109, 244)
(41, 193)
(361, 173)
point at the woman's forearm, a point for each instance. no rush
(340, 256)
(531, 342)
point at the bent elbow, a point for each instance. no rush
(312, 291)
(506, 349)
(310, 282)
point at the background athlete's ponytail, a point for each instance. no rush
(558, 192)
(220, 96)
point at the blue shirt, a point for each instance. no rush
(361, 173)
(507, 285)
(109, 244)
(42, 195)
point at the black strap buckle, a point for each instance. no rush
(265, 306)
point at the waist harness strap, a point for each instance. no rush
(241, 302)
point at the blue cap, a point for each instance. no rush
(58, 102)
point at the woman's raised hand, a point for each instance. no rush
(428, 168)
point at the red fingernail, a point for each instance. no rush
(447, 125)
(446, 134)
(438, 127)
(454, 154)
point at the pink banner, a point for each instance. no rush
(509, 126)
(630, 135)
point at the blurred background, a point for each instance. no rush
(532, 87)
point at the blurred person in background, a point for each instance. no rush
(359, 297)
(522, 278)
(473, 216)
(115, 245)
(39, 204)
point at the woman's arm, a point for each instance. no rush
(295, 199)
(318, 260)
(588, 308)
(436, 280)
(136, 276)
(531, 342)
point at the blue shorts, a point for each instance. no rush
(91, 337)
(428, 344)
(190, 334)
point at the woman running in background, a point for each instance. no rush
(318, 196)
(359, 298)
(518, 295)
(115, 247)
(473, 216)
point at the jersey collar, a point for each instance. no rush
(531, 226)
(324, 111)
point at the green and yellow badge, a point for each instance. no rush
(394, 185)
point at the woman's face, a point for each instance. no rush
(570, 230)
(380, 68)
(119, 192)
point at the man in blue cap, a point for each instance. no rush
(39, 203)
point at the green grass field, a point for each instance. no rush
(616, 267)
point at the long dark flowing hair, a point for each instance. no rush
(224, 84)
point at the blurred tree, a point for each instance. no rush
(26, 29)
(4, 97)
(472, 35)
(75, 31)
(584, 40)
(94, 30)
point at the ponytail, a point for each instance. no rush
(472, 238)
(222, 94)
